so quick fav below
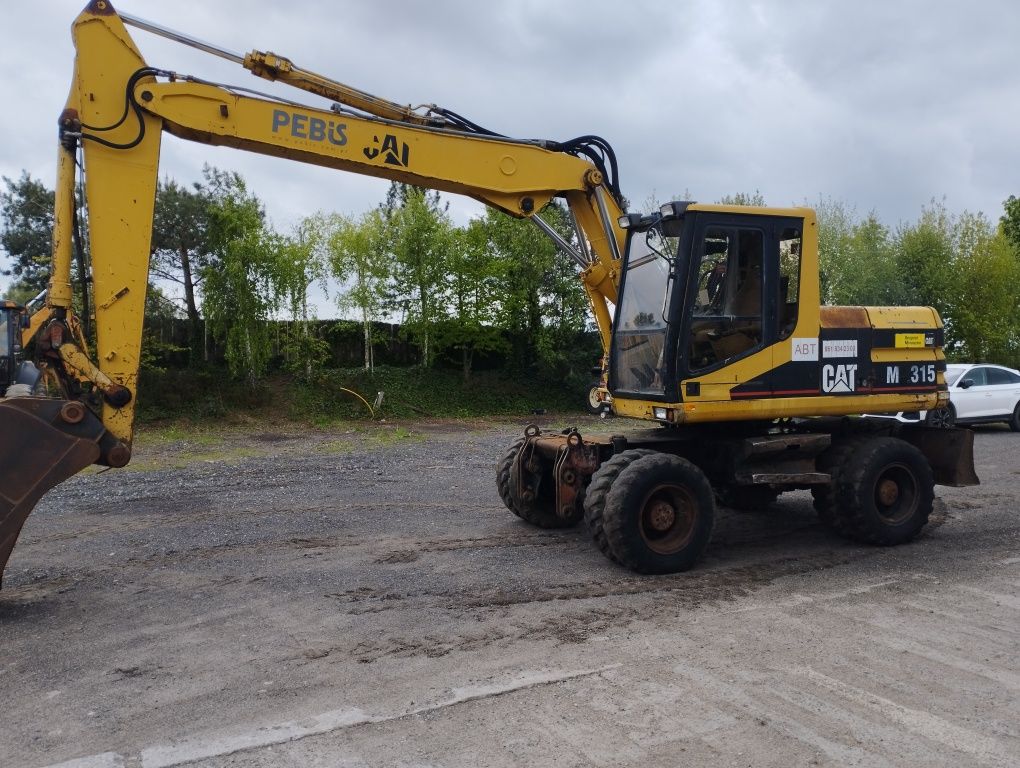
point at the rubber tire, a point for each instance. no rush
(540, 513)
(625, 504)
(595, 497)
(594, 405)
(1014, 421)
(856, 489)
(747, 498)
(503, 468)
(936, 420)
(825, 496)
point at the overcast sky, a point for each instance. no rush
(883, 105)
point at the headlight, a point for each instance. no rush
(674, 209)
(629, 220)
(660, 413)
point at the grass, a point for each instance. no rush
(209, 397)
(188, 417)
(178, 443)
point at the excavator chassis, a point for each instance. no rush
(648, 497)
(45, 441)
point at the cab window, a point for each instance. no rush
(727, 313)
(789, 279)
(640, 329)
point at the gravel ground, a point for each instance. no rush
(364, 599)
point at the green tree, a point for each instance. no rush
(159, 349)
(982, 292)
(926, 259)
(836, 223)
(566, 310)
(474, 295)
(300, 266)
(181, 251)
(1010, 222)
(356, 251)
(542, 302)
(873, 259)
(857, 258)
(419, 231)
(26, 231)
(245, 286)
(523, 256)
(964, 267)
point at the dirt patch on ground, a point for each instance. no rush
(361, 596)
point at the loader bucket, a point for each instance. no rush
(42, 443)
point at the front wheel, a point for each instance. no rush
(943, 417)
(1014, 421)
(658, 514)
(884, 492)
(594, 404)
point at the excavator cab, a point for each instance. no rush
(703, 288)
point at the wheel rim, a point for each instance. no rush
(667, 519)
(896, 494)
(942, 418)
(593, 398)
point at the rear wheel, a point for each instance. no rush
(825, 498)
(884, 492)
(943, 417)
(658, 514)
(1014, 421)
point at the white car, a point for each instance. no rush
(978, 393)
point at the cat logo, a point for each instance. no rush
(839, 378)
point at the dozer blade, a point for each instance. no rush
(42, 443)
(950, 452)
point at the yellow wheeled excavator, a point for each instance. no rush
(709, 315)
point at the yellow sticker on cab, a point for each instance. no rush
(909, 341)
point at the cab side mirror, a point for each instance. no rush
(966, 384)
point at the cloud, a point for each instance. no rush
(883, 105)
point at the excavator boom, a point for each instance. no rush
(116, 112)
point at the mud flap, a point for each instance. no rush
(42, 443)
